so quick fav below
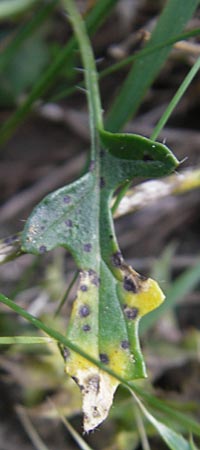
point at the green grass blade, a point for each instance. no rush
(173, 440)
(9, 340)
(24, 32)
(171, 22)
(93, 21)
(177, 97)
(187, 422)
(175, 294)
(10, 8)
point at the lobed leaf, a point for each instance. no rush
(111, 297)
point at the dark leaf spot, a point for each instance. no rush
(130, 313)
(125, 344)
(67, 199)
(83, 288)
(95, 280)
(75, 379)
(93, 383)
(95, 411)
(129, 285)
(66, 353)
(147, 157)
(117, 259)
(104, 358)
(87, 247)
(86, 327)
(102, 183)
(91, 272)
(94, 277)
(69, 223)
(84, 311)
(42, 249)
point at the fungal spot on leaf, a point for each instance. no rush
(42, 249)
(69, 223)
(67, 199)
(102, 183)
(84, 311)
(83, 288)
(93, 383)
(104, 358)
(117, 259)
(86, 327)
(87, 247)
(130, 313)
(125, 344)
(95, 411)
(147, 157)
(130, 285)
(94, 278)
(91, 272)
(65, 353)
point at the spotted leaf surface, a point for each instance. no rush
(111, 297)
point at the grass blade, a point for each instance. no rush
(8, 9)
(173, 440)
(7, 340)
(171, 22)
(177, 97)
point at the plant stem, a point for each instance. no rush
(177, 97)
(91, 79)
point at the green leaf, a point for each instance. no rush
(144, 71)
(111, 297)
